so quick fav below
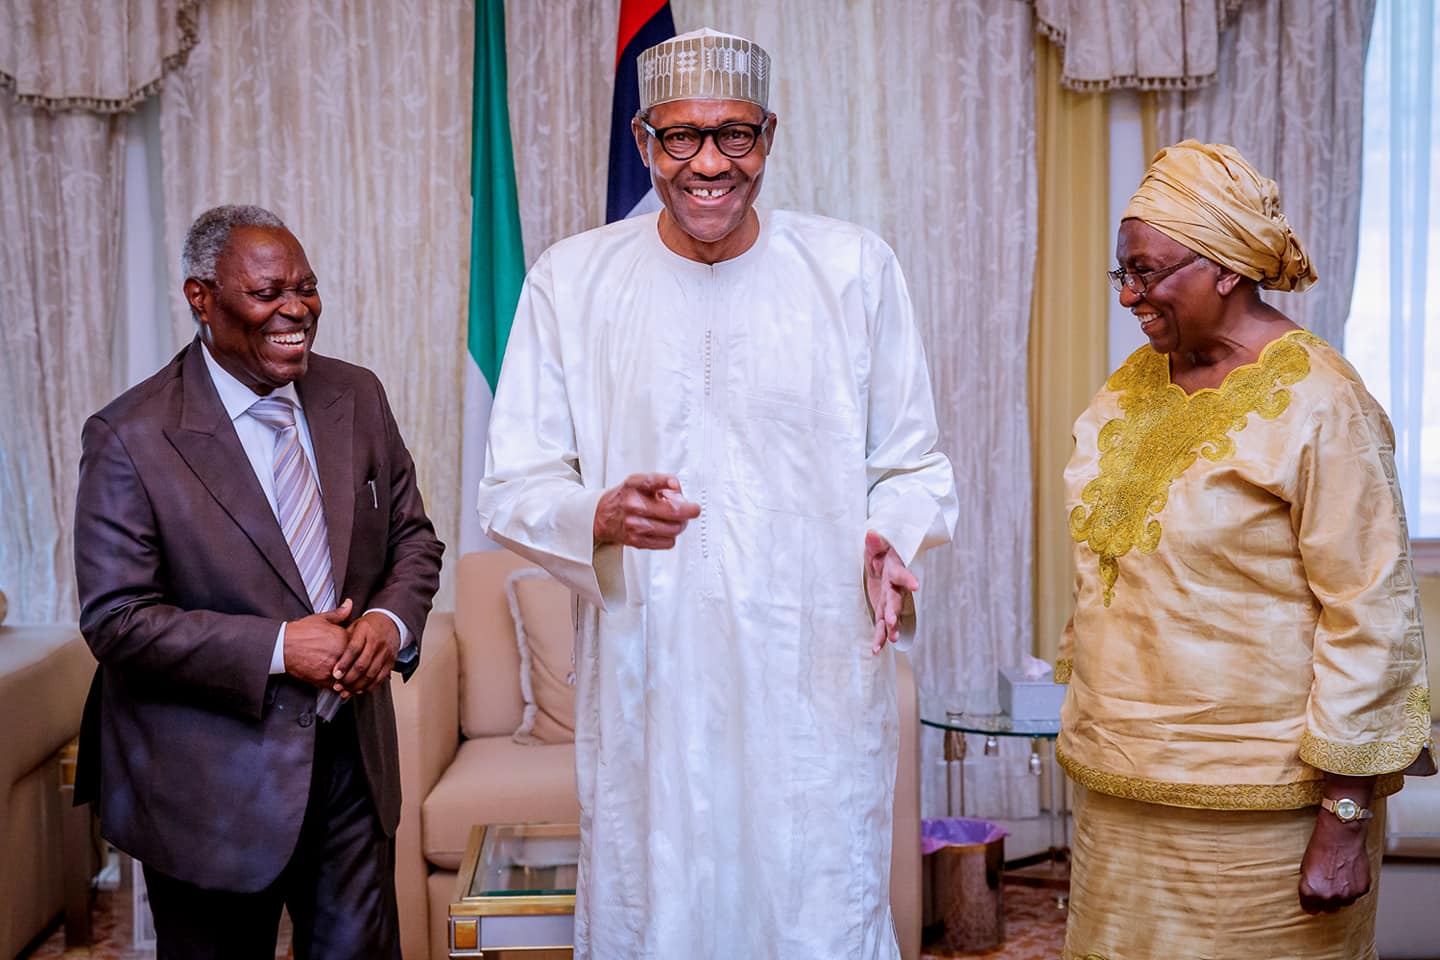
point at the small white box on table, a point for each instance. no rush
(1022, 699)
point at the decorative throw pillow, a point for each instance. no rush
(545, 632)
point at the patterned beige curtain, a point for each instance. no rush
(1140, 44)
(1289, 95)
(60, 194)
(915, 119)
(98, 57)
(352, 121)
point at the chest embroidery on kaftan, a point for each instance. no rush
(1161, 432)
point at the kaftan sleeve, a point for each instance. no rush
(1065, 653)
(1369, 708)
(911, 500)
(534, 498)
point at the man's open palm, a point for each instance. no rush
(887, 583)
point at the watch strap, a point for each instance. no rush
(1345, 809)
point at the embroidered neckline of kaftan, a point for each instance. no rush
(1162, 431)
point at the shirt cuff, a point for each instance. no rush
(404, 634)
(277, 657)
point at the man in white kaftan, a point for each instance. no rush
(715, 425)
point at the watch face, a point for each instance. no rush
(1346, 809)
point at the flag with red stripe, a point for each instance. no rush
(643, 23)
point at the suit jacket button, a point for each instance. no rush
(306, 719)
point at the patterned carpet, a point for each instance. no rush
(113, 934)
(1035, 930)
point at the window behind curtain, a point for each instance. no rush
(1393, 333)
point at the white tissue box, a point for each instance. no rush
(1023, 699)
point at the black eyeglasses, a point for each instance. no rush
(1138, 283)
(683, 141)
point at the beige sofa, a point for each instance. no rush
(44, 675)
(459, 767)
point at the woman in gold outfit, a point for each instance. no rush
(1245, 661)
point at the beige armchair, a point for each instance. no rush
(459, 767)
(44, 675)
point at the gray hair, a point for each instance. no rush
(208, 235)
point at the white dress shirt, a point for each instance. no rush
(258, 440)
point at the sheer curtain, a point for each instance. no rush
(1400, 248)
(912, 118)
(67, 71)
(61, 188)
(1287, 96)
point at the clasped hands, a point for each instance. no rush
(350, 660)
(647, 511)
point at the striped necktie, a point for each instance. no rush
(301, 515)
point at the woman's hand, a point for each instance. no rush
(1335, 871)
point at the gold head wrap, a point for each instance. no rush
(1206, 196)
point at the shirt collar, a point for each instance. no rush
(234, 395)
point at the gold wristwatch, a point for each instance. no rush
(1345, 809)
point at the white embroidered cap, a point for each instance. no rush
(704, 65)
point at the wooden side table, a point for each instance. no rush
(78, 852)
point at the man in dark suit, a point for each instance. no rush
(253, 557)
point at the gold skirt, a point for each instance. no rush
(1150, 881)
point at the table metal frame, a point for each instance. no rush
(956, 725)
(522, 926)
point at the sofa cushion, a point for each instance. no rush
(545, 637)
(495, 780)
(490, 704)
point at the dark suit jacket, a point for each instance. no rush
(203, 757)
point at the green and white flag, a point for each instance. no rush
(497, 256)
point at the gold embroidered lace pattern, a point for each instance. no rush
(1162, 431)
(1063, 667)
(1210, 796)
(1378, 756)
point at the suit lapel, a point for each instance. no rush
(205, 438)
(330, 413)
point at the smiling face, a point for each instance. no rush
(1180, 311)
(709, 198)
(258, 316)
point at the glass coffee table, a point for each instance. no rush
(515, 896)
(1048, 868)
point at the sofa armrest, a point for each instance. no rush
(45, 675)
(427, 720)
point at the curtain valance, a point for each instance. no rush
(1139, 44)
(95, 57)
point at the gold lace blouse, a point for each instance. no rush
(1246, 614)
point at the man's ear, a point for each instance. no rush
(641, 138)
(197, 295)
(771, 121)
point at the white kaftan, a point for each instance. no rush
(735, 738)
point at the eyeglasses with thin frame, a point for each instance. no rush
(1138, 283)
(683, 141)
